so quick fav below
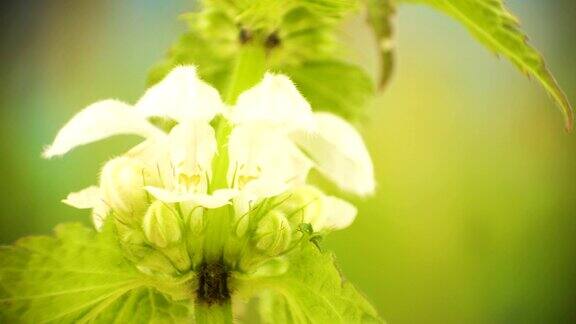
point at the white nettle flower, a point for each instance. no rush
(275, 140)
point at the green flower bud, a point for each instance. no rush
(162, 225)
(302, 205)
(122, 183)
(273, 234)
(196, 221)
(129, 235)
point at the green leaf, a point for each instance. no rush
(267, 14)
(334, 86)
(302, 31)
(329, 8)
(310, 291)
(192, 49)
(380, 13)
(495, 27)
(79, 276)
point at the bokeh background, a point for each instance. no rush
(474, 219)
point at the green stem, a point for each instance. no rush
(248, 70)
(214, 314)
(218, 222)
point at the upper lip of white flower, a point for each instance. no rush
(275, 140)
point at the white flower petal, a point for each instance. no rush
(90, 198)
(336, 214)
(339, 153)
(264, 188)
(192, 147)
(261, 151)
(99, 214)
(84, 199)
(98, 121)
(255, 191)
(154, 152)
(276, 101)
(217, 199)
(181, 96)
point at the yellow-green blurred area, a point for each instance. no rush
(474, 217)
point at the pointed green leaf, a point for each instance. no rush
(310, 291)
(495, 27)
(78, 276)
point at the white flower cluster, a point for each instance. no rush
(263, 147)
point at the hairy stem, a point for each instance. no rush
(249, 69)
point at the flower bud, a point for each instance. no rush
(273, 234)
(196, 221)
(122, 183)
(303, 205)
(162, 225)
(129, 235)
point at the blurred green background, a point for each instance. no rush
(473, 221)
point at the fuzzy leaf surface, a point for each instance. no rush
(78, 276)
(312, 290)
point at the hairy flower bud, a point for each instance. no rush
(308, 205)
(122, 183)
(162, 225)
(129, 235)
(273, 234)
(303, 205)
(195, 221)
